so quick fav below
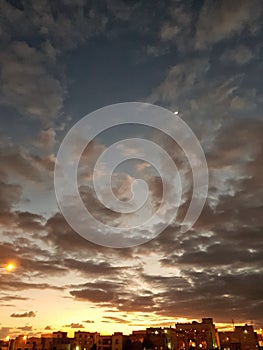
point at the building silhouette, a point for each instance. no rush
(184, 336)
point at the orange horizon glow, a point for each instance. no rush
(70, 332)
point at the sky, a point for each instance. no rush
(61, 60)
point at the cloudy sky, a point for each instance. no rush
(60, 60)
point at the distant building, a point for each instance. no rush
(184, 336)
(247, 337)
(137, 336)
(25, 343)
(260, 340)
(118, 340)
(85, 340)
(6, 344)
(202, 335)
(136, 340)
(104, 342)
(229, 341)
(56, 341)
(242, 338)
(155, 339)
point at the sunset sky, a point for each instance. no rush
(59, 61)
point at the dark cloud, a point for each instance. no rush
(240, 55)
(42, 94)
(115, 294)
(20, 168)
(12, 297)
(111, 319)
(91, 267)
(25, 328)
(177, 29)
(96, 208)
(23, 63)
(30, 222)
(93, 295)
(61, 236)
(74, 325)
(9, 195)
(100, 292)
(222, 20)
(16, 285)
(207, 293)
(42, 268)
(24, 314)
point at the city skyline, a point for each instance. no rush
(70, 330)
(182, 336)
(200, 63)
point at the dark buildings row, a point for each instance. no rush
(184, 336)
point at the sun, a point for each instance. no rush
(10, 267)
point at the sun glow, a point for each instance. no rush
(10, 267)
